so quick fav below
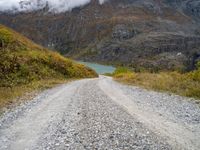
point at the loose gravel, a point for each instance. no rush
(97, 114)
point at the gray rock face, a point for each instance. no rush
(193, 8)
(121, 32)
(189, 7)
(154, 51)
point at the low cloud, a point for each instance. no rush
(54, 5)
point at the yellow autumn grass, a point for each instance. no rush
(187, 84)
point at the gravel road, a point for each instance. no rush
(101, 114)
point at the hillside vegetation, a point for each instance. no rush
(26, 63)
(185, 84)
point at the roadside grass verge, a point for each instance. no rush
(184, 84)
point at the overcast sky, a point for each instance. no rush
(57, 5)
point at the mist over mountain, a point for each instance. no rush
(155, 34)
(31, 5)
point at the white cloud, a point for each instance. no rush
(101, 1)
(55, 5)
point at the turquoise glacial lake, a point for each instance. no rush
(100, 69)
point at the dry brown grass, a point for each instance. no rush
(187, 84)
(10, 95)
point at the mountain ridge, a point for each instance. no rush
(111, 33)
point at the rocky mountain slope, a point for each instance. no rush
(153, 34)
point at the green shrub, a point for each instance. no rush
(120, 70)
(5, 38)
(198, 65)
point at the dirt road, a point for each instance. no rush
(101, 114)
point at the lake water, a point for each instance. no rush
(100, 69)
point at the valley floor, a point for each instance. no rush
(101, 114)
